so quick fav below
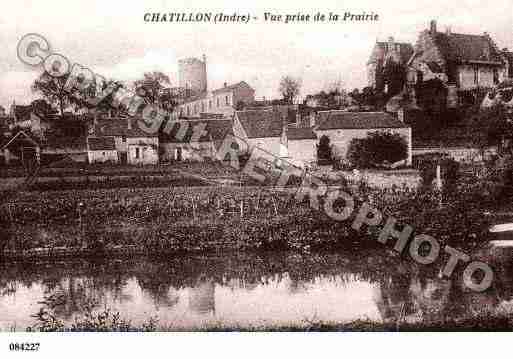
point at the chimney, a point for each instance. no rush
(204, 58)
(432, 27)
(129, 122)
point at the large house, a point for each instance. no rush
(222, 101)
(131, 143)
(269, 132)
(341, 127)
(460, 63)
(383, 52)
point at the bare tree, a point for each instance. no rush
(290, 88)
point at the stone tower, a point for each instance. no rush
(192, 74)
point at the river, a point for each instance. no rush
(242, 290)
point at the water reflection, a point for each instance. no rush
(243, 290)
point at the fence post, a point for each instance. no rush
(258, 200)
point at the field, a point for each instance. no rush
(213, 218)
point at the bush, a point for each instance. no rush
(377, 149)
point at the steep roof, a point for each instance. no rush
(405, 51)
(467, 48)
(329, 120)
(214, 130)
(301, 133)
(261, 123)
(19, 136)
(117, 126)
(101, 143)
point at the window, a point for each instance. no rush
(137, 153)
(123, 138)
(217, 101)
(476, 75)
(103, 153)
(202, 107)
(495, 76)
(209, 104)
(227, 100)
(188, 111)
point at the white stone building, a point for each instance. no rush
(133, 145)
(269, 132)
(341, 127)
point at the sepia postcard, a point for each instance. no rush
(173, 166)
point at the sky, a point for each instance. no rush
(112, 39)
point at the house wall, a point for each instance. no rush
(194, 151)
(268, 147)
(244, 94)
(142, 154)
(148, 150)
(303, 151)
(102, 156)
(466, 76)
(341, 138)
(461, 154)
(209, 104)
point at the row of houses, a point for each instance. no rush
(121, 140)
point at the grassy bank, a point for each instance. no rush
(107, 321)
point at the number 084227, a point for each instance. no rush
(24, 347)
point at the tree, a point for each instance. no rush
(324, 151)
(394, 76)
(289, 88)
(155, 88)
(42, 106)
(377, 149)
(366, 97)
(53, 90)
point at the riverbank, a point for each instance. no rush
(109, 322)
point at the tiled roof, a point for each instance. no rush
(231, 87)
(64, 142)
(261, 124)
(301, 133)
(214, 130)
(466, 48)
(101, 143)
(119, 127)
(328, 120)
